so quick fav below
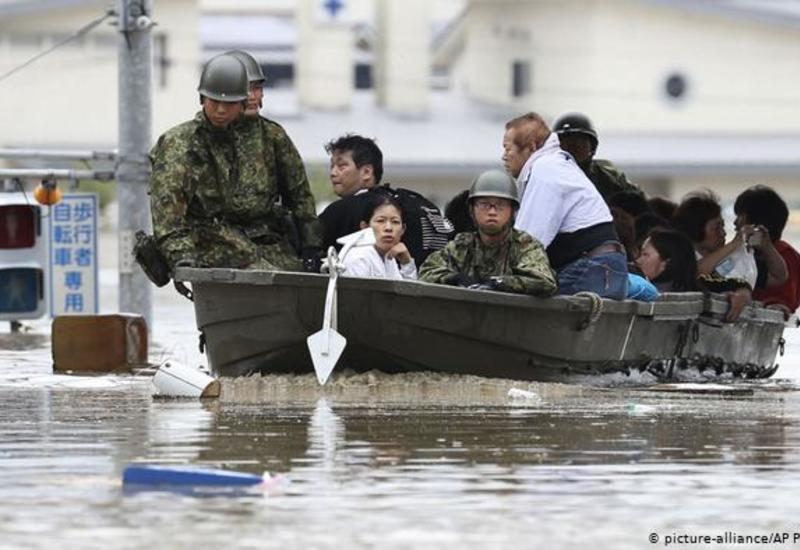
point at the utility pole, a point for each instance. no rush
(133, 166)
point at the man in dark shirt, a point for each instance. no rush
(356, 171)
(579, 138)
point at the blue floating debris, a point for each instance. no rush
(177, 475)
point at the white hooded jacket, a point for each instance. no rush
(365, 262)
(556, 196)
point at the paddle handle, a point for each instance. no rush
(329, 317)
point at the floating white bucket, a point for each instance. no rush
(173, 379)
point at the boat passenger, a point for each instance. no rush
(305, 236)
(762, 207)
(564, 211)
(668, 260)
(632, 202)
(699, 216)
(355, 172)
(662, 207)
(639, 288)
(495, 256)
(457, 211)
(216, 183)
(645, 222)
(625, 227)
(578, 137)
(388, 258)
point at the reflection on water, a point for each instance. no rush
(488, 471)
(405, 461)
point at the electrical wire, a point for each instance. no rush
(80, 32)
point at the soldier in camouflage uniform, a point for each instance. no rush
(216, 183)
(303, 222)
(579, 138)
(495, 256)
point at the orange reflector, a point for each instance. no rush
(47, 194)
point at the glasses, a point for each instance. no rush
(488, 205)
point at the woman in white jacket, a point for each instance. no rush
(388, 258)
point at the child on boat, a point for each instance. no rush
(389, 258)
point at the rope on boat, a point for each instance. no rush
(183, 290)
(595, 310)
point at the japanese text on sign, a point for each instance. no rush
(73, 255)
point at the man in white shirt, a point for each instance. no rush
(562, 208)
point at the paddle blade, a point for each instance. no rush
(325, 346)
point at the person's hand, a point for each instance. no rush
(460, 279)
(759, 238)
(185, 262)
(492, 283)
(741, 235)
(400, 253)
(738, 299)
(782, 308)
(312, 259)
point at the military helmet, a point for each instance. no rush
(224, 79)
(575, 123)
(254, 72)
(494, 183)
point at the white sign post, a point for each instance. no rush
(73, 255)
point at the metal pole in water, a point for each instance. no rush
(133, 167)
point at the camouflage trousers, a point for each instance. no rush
(221, 245)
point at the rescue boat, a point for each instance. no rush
(259, 321)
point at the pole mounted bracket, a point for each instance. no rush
(133, 16)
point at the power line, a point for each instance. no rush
(80, 32)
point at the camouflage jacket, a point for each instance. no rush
(235, 176)
(520, 264)
(608, 179)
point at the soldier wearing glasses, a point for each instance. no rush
(495, 256)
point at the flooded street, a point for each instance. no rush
(404, 461)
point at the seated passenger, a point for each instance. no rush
(632, 202)
(356, 172)
(699, 216)
(762, 207)
(457, 211)
(495, 256)
(662, 207)
(625, 228)
(639, 288)
(562, 209)
(645, 222)
(579, 138)
(668, 261)
(388, 258)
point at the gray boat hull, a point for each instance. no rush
(257, 322)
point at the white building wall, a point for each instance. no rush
(325, 69)
(611, 58)
(742, 74)
(69, 97)
(403, 62)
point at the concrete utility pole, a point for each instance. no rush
(133, 167)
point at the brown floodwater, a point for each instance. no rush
(390, 461)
